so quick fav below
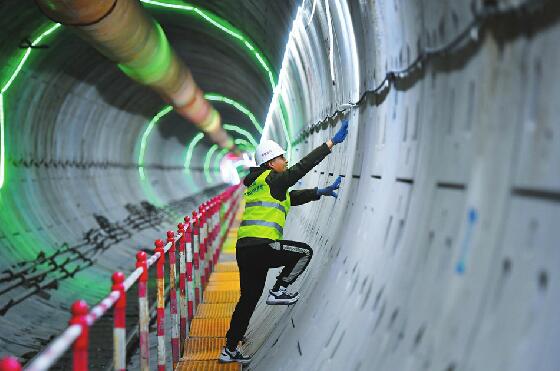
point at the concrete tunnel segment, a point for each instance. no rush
(439, 253)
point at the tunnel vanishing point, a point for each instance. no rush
(441, 252)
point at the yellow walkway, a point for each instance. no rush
(211, 321)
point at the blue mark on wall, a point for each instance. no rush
(465, 247)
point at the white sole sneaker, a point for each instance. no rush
(228, 357)
(274, 300)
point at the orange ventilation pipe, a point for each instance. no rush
(123, 32)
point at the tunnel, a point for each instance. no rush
(439, 252)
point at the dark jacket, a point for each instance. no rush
(279, 184)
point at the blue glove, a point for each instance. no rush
(341, 133)
(329, 191)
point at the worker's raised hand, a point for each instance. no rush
(341, 133)
(329, 190)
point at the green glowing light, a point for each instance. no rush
(145, 136)
(158, 64)
(222, 25)
(25, 56)
(190, 149)
(241, 131)
(218, 159)
(220, 98)
(143, 145)
(191, 146)
(230, 30)
(243, 142)
(2, 144)
(202, 14)
(223, 99)
(209, 154)
(49, 31)
(170, 6)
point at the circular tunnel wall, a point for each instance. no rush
(439, 253)
(95, 167)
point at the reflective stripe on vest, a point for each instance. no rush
(264, 216)
(262, 223)
(267, 204)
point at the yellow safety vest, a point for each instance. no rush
(264, 216)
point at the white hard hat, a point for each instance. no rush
(267, 150)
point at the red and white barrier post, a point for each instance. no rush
(196, 258)
(217, 228)
(213, 233)
(173, 300)
(202, 248)
(182, 286)
(190, 282)
(209, 246)
(203, 244)
(199, 248)
(143, 311)
(10, 363)
(119, 323)
(80, 311)
(160, 271)
(222, 220)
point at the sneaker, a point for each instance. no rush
(227, 356)
(281, 297)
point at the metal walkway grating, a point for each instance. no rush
(222, 310)
(203, 349)
(227, 267)
(207, 366)
(221, 296)
(224, 277)
(211, 322)
(216, 327)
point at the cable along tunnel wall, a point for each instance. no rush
(439, 252)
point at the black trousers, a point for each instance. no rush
(254, 263)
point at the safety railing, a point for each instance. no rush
(199, 239)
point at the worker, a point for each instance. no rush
(259, 241)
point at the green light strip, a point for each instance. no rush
(209, 154)
(244, 143)
(222, 25)
(2, 144)
(156, 66)
(51, 29)
(145, 136)
(195, 140)
(186, 7)
(241, 143)
(16, 72)
(229, 29)
(183, 7)
(243, 132)
(190, 148)
(220, 98)
(218, 159)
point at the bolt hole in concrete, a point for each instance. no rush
(393, 317)
(419, 336)
(506, 266)
(543, 280)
